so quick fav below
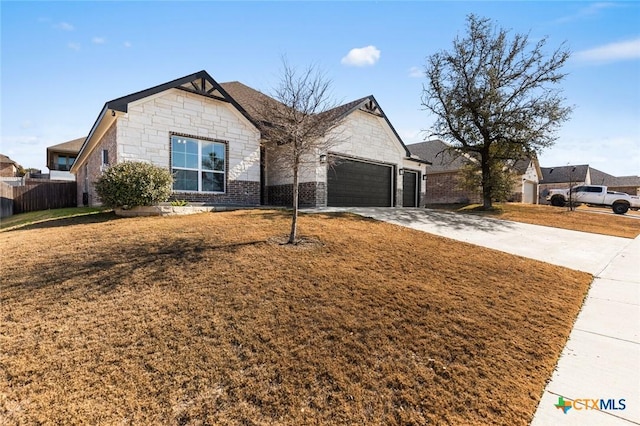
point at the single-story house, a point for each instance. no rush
(8, 167)
(563, 177)
(61, 157)
(443, 175)
(207, 135)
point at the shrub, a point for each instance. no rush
(133, 183)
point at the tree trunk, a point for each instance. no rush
(294, 218)
(486, 182)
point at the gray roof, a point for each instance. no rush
(442, 156)
(252, 101)
(564, 174)
(601, 178)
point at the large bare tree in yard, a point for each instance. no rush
(299, 127)
(495, 97)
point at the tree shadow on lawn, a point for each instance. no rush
(410, 217)
(69, 221)
(107, 269)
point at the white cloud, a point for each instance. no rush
(620, 51)
(74, 46)
(415, 72)
(64, 26)
(98, 40)
(361, 57)
(127, 44)
(591, 10)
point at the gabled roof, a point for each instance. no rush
(251, 100)
(442, 156)
(601, 178)
(200, 83)
(564, 174)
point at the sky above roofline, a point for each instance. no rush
(61, 61)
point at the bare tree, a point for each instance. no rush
(493, 97)
(299, 127)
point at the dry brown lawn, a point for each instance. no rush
(204, 319)
(585, 219)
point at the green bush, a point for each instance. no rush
(132, 183)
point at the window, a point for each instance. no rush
(197, 165)
(65, 162)
(594, 189)
(105, 157)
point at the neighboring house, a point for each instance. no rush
(563, 177)
(8, 167)
(443, 176)
(206, 133)
(9, 171)
(61, 157)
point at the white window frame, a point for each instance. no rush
(200, 170)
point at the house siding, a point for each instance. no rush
(86, 183)
(361, 136)
(144, 134)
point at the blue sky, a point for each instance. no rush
(61, 61)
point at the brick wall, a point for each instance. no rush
(311, 194)
(442, 188)
(87, 176)
(7, 170)
(239, 192)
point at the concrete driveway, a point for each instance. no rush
(601, 360)
(576, 250)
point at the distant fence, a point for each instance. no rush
(43, 196)
(6, 200)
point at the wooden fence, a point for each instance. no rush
(6, 200)
(44, 196)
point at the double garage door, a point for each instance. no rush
(352, 183)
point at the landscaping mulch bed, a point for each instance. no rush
(208, 319)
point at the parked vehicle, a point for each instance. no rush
(594, 195)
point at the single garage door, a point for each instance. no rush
(409, 189)
(352, 183)
(529, 192)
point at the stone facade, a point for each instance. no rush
(361, 136)
(144, 134)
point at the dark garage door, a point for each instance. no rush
(409, 189)
(358, 184)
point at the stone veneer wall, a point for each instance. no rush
(144, 134)
(311, 194)
(94, 163)
(442, 188)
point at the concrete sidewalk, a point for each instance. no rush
(601, 359)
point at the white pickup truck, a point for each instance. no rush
(594, 195)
